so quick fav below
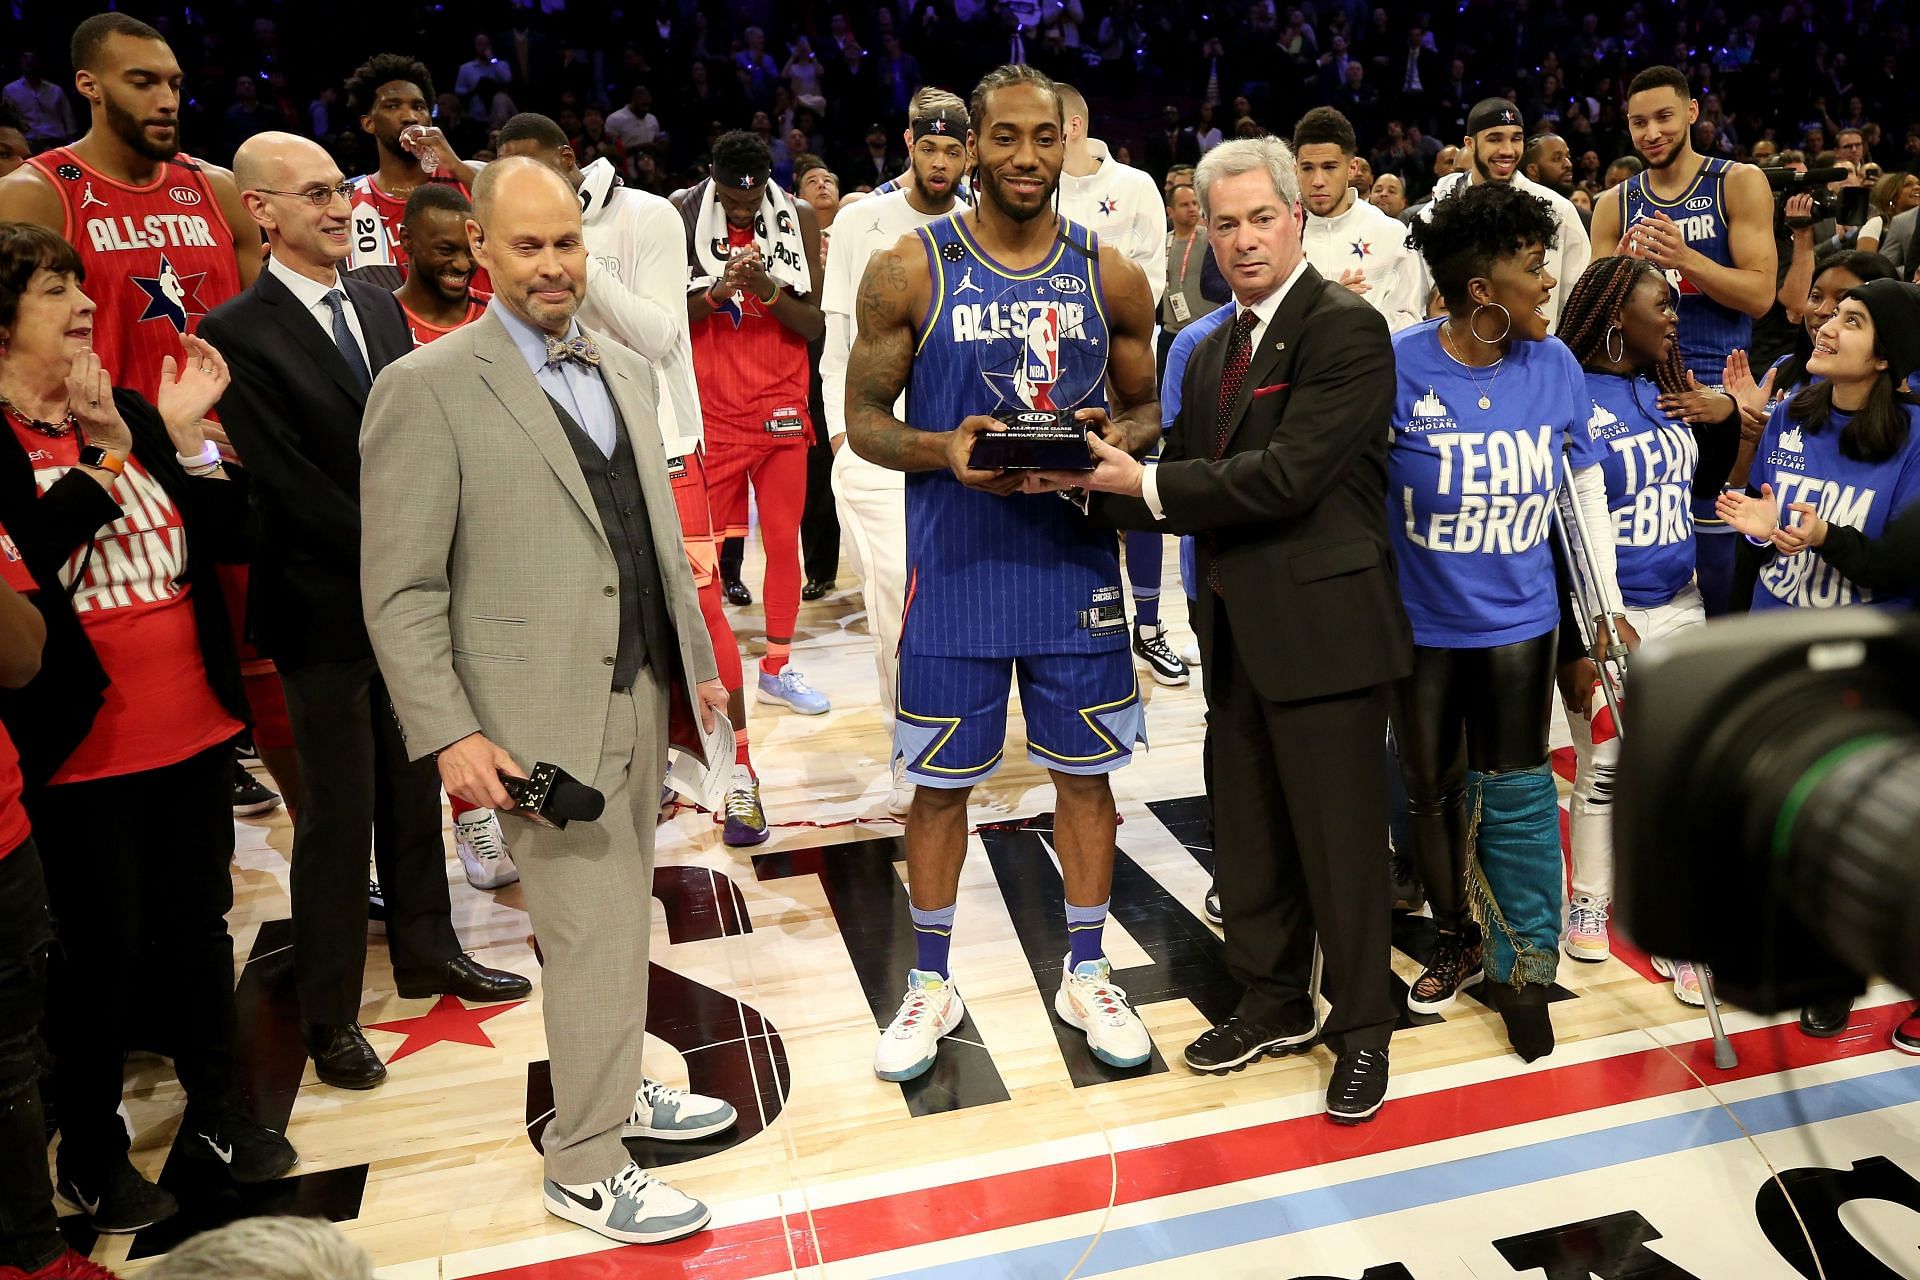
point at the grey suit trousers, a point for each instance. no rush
(589, 891)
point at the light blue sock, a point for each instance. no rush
(933, 931)
(1083, 932)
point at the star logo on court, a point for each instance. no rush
(1109, 206)
(1361, 248)
(448, 1021)
(171, 296)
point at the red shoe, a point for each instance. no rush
(1906, 1036)
(68, 1266)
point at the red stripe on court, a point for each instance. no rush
(954, 1210)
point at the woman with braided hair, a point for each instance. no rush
(1620, 323)
(1486, 404)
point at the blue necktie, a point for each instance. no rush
(343, 339)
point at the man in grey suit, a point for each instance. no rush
(527, 599)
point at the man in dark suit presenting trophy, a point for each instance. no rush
(1278, 463)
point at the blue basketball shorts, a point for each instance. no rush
(1083, 713)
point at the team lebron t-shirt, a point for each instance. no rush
(1470, 489)
(993, 576)
(1649, 464)
(133, 602)
(1807, 466)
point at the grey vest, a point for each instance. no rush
(646, 629)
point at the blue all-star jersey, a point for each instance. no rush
(1804, 466)
(991, 576)
(1470, 490)
(1649, 462)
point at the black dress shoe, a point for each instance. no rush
(343, 1058)
(1825, 1020)
(1238, 1041)
(816, 589)
(1358, 1086)
(461, 976)
(735, 591)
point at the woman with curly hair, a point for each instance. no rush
(1486, 404)
(1620, 323)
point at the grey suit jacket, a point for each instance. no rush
(487, 580)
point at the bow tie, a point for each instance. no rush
(579, 348)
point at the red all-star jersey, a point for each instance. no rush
(423, 333)
(157, 258)
(373, 237)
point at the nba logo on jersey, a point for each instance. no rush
(1042, 367)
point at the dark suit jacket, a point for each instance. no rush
(1297, 506)
(293, 413)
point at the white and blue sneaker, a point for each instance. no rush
(632, 1207)
(791, 690)
(1087, 999)
(674, 1115)
(910, 1043)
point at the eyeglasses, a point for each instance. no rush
(318, 197)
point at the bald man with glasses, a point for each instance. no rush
(305, 345)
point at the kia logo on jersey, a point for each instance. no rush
(1698, 203)
(184, 195)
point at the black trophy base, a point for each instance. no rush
(1035, 440)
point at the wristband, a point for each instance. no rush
(771, 298)
(209, 456)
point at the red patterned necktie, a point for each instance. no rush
(1232, 374)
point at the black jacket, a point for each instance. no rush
(1296, 508)
(52, 715)
(293, 412)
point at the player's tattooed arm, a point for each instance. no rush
(881, 362)
(1135, 421)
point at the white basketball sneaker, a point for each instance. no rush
(674, 1115)
(482, 847)
(932, 1009)
(900, 795)
(1087, 999)
(632, 1207)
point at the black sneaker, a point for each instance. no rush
(116, 1199)
(251, 798)
(1454, 966)
(1151, 647)
(245, 752)
(250, 1151)
(376, 908)
(1213, 905)
(1238, 1041)
(735, 591)
(1358, 1086)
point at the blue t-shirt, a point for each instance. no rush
(1020, 574)
(1649, 463)
(1172, 383)
(1808, 467)
(1470, 490)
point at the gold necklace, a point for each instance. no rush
(1446, 342)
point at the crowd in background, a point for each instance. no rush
(651, 87)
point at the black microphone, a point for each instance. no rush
(552, 797)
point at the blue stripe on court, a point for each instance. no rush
(1316, 1207)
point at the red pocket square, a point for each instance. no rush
(1258, 392)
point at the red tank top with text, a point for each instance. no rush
(157, 258)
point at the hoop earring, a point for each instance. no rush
(1612, 355)
(1474, 320)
